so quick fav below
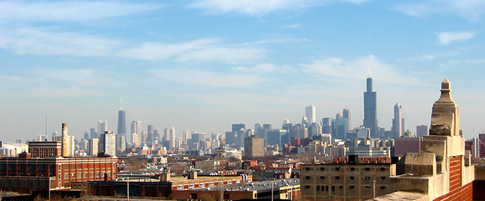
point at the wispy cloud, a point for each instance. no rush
(449, 37)
(358, 69)
(69, 10)
(472, 10)
(54, 42)
(208, 78)
(201, 50)
(291, 26)
(258, 7)
(264, 68)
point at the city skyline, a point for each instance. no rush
(204, 65)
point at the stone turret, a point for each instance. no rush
(445, 118)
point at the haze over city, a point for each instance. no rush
(204, 65)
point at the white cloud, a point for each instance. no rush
(208, 78)
(449, 37)
(202, 50)
(359, 69)
(260, 7)
(264, 68)
(291, 26)
(53, 42)
(472, 10)
(69, 10)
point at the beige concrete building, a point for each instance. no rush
(347, 181)
(253, 146)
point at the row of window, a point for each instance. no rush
(338, 168)
(332, 188)
(338, 178)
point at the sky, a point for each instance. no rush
(203, 65)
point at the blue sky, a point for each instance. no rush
(205, 64)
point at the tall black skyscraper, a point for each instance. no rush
(121, 122)
(370, 109)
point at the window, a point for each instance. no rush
(383, 187)
(367, 187)
(383, 169)
(383, 178)
(307, 177)
(307, 187)
(307, 169)
(367, 178)
(352, 178)
(322, 169)
(337, 169)
(352, 169)
(322, 177)
(333, 188)
(337, 178)
(367, 169)
(340, 187)
(351, 187)
(318, 188)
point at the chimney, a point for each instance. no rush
(65, 141)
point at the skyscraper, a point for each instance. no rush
(397, 121)
(421, 130)
(102, 126)
(121, 122)
(370, 109)
(253, 146)
(346, 114)
(136, 129)
(107, 143)
(310, 114)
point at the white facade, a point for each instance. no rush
(310, 114)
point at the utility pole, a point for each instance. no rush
(128, 190)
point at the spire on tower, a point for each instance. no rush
(121, 104)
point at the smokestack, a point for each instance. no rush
(65, 141)
(64, 129)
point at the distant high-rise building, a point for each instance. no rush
(86, 135)
(315, 129)
(370, 109)
(422, 130)
(481, 142)
(185, 137)
(253, 146)
(135, 139)
(310, 114)
(299, 131)
(143, 137)
(327, 126)
(346, 114)
(341, 127)
(397, 127)
(102, 126)
(238, 127)
(93, 146)
(197, 137)
(169, 138)
(150, 131)
(121, 122)
(136, 128)
(107, 143)
(274, 137)
(92, 133)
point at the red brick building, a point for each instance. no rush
(25, 174)
(45, 149)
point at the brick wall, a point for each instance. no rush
(455, 172)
